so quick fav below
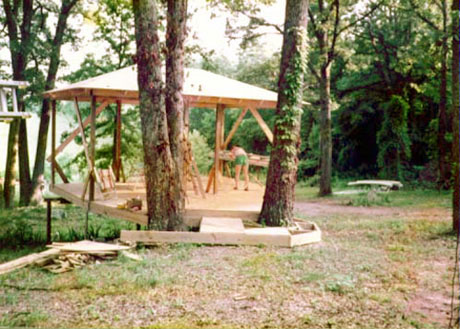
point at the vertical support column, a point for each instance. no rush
(48, 221)
(53, 142)
(117, 162)
(92, 152)
(219, 133)
(222, 140)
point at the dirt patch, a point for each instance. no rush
(433, 307)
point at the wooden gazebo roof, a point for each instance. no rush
(201, 88)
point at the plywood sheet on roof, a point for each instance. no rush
(197, 82)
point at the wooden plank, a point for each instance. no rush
(89, 246)
(218, 138)
(234, 128)
(82, 133)
(224, 238)
(15, 100)
(74, 133)
(117, 160)
(60, 172)
(210, 179)
(262, 124)
(192, 217)
(303, 238)
(268, 231)
(99, 207)
(53, 142)
(198, 178)
(92, 152)
(221, 224)
(27, 260)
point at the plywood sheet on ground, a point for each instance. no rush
(221, 224)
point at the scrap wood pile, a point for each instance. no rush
(63, 257)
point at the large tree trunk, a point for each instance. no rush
(19, 37)
(163, 209)
(443, 149)
(10, 169)
(24, 166)
(277, 208)
(53, 67)
(455, 113)
(325, 131)
(175, 37)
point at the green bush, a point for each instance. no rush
(201, 151)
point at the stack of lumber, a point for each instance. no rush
(63, 257)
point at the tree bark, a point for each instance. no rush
(325, 132)
(19, 45)
(443, 149)
(162, 207)
(175, 37)
(278, 205)
(39, 166)
(455, 113)
(10, 169)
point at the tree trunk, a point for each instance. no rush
(175, 37)
(162, 207)
(443, 149)
(39, 166)
(19, 38)
(325, 132)
(24, 166)
(455, 113)
(277, 208)
(10, 169)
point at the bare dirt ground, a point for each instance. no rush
(379, 267)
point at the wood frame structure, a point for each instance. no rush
(202, 89)
(10, 87)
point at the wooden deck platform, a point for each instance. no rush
(227, 203)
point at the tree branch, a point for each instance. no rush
(423, 18)
(330, 53)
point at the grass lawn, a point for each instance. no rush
(388, 265)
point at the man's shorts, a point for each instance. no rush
(241, 160)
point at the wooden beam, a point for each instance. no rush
(92, 152)
(60, 172)
(27, 260)
(53, 142)
(210, 179)
(74, 133)
(82, 133)
(198, 178)
(262, 124)
(219, 132)
(117, 161)
(234, 128)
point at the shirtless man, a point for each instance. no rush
(241, 160)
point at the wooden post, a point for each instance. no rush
(92, 152)
(117, 162)
(53, 142)
(48, 221)
(219, 133)
(222, 140)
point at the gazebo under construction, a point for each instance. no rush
(225, 216)
(202, 89)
